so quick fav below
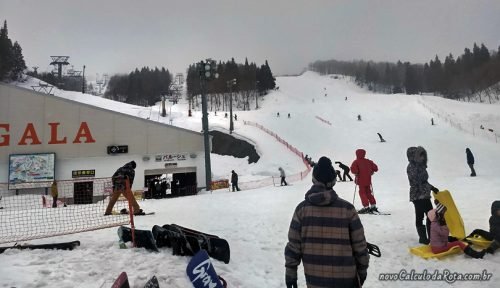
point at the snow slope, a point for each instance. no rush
(255, 222)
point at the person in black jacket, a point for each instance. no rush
(346, 170)
(234, 181)
(470, 162)
(493, 235)
(119, 177)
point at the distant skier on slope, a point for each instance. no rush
(346, 170)
(380, 137)
(282, 176)
(470, 162)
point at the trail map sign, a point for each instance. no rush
(31, 170)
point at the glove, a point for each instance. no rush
(291, 283)
(434, 189)
(362, 277)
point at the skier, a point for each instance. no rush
(432, 121)
(54, 193)
(470, 162)
(234, 181)
(420, 189)
(359, 117)
(346, 170)
(363, 169)
(439, 232)
(493, 235)
(380, 137)
(327, 235)
(282, 175)
(119, 177)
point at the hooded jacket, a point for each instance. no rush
(417, 174)
(126, 171)
(234, 177)
(282, 172)
(327, 235)
(495, 220)
(363, 168)
(439, 233)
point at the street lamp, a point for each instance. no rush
(208, 71)
(230, 84)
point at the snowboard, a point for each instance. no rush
(216, 247)
(452, 216)
(121, 281)
(425, 252)
(201, 272)
(125, 212)
(59, 246)
(152, 283)
(143, 238)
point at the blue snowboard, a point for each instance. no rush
(201, 272)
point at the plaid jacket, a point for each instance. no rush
(327, 235)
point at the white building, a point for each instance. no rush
(82, 137)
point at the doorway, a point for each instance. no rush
(83, 192)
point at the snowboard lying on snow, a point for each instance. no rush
(188, 242)
(143, 238)
(122, 282)
(60, 246)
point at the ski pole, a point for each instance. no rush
(354, 196)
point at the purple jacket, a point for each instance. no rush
(439, 234)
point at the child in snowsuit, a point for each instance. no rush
(363, 169)
(439, 232)
(493, 235)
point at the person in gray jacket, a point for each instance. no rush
(420, 189)
(283, 176)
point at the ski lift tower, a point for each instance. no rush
(59, 61)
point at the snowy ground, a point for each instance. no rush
(255, 222)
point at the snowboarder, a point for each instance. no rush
(278, 114)
(54, 193)
(125, 172)
(346, 98)
(235, 117)
(380, 137)
(432, 121)
(282, 175)
(439, 232)
(470, 162)
(234, 181)
(363, 170)
(359, 117)
(420, 189)
(481, 127)
(288, 115)
(493, 235)
(310, 239)
(346, 170)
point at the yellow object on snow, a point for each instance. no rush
(425, 252)
(452, 216)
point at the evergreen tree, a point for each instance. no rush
(18, 64)
(5, 52)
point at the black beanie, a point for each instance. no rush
(323, 171)
(133, 164)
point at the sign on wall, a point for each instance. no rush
(82, 173)
(171, 157)
(31, 170)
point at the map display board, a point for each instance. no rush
(31, 170)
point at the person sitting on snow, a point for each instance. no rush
(493, 235)
(440, 232)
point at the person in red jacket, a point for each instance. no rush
(363, 169)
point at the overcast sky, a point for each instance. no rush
(117, 36)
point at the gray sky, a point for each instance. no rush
(117, 36)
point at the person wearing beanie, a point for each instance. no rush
(363, 169)
(440, 232)
(326, 234)
(420, 190)
(493, 235)
(124, 173)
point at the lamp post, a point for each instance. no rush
(230, 84)
(207, 70)
(83, 80)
